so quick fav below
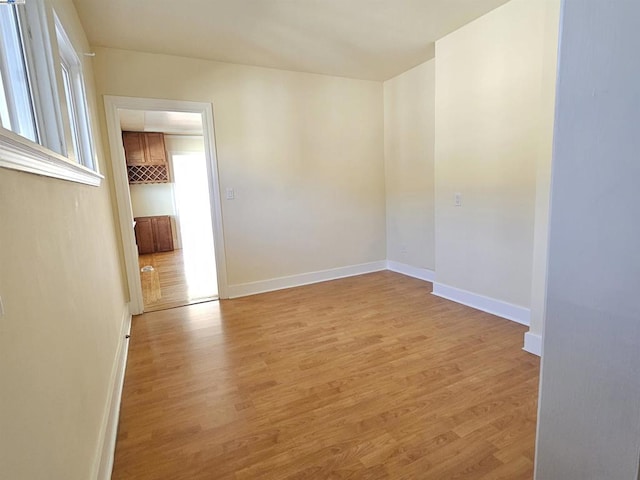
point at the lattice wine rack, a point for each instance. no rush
(148, 173)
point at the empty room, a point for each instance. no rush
(418, 218)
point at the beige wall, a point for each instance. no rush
(409, 170)
(61, 286)
(489, 125)
(303, 152)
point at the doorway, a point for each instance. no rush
(190, 266)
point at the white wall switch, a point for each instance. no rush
(457, 199)
(230, 194)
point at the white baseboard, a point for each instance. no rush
(109, 429)
(533, 343)
(252, 288)
(411, 271)
(486, 304)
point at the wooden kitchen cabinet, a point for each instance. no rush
(154, 234)
(146, 157)
(162, 234)
(156, 151)
(142, 148)
(144, 235)
(133, 148)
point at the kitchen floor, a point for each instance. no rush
(174, 280)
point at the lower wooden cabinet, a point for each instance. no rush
(154, 234)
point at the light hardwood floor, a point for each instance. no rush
(170, 284)
(368, 377)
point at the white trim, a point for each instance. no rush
(486, 304)
(208, 132)
(252, 288)
(123, 202)
(109, 428)
(123, 197)
(533, 343)
(18, 153)
(411, 271)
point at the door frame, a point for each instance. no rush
(112, 105)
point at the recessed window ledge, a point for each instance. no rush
(18, 153)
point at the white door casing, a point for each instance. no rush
(113, 104)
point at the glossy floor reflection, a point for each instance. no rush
(177, 279)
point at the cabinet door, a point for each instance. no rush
(156, 153)
(144, 235)
(134, 148)
(163, 234)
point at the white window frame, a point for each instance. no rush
(20, 153)
(79, 120)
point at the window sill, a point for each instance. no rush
(18, 153)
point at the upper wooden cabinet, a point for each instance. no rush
(134, 150)
(146, 157)
(144, 148)
(156, 152)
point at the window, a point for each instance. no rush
(44, 121)
(81, 148)
(16, 109)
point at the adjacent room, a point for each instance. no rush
(319, 239)
(170, 203)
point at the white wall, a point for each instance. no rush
(589, 419)
(303, 152)
(152, 199)
(489, 125)
(64, 300)
(184, 143)
(409, 171)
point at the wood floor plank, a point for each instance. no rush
(367, 377)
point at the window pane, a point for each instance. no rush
(15, 79)
(5, 120)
